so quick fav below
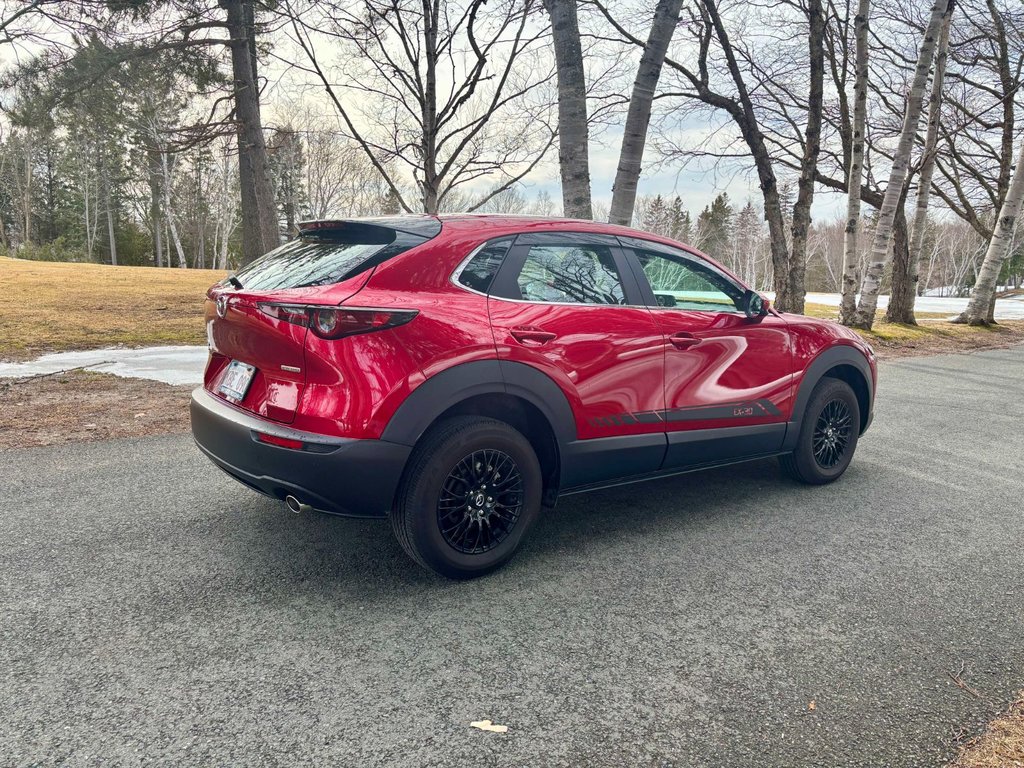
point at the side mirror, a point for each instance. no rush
(665, 299)
(755, 305)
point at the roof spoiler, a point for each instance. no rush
(378, 228)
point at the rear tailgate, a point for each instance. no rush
(238, 331)
(257, 357)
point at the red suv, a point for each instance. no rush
(457, 374)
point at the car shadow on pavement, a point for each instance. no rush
(320, 551)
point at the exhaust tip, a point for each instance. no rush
(293, 504)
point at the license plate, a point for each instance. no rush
(236, 380)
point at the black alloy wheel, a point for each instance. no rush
(828, 434)
(481, 501)
(471, 490)
(832, 433)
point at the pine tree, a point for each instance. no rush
(714, 226)
(655, 217)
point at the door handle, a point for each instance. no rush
(683, 340)
(531, 335)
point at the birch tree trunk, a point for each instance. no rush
(851, 237)
(573, 132)
(103, 183)
(903, 312)
(259, 215)
(865, 315)
(154, 205)
(110, 232)
(169, 213)
(979, 309)
(666, 17)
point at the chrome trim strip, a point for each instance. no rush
(255, 423)
(454, 280)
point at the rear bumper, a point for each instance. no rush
(357, 478)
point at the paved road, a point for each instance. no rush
(152, 611)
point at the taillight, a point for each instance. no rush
(338, 322)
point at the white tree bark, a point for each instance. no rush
(882, 241)
(851, 254)
(166, 183)
(983, 296)
(634, 137)
(924, 184)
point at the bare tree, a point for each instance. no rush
(979, 130)
(638, 118)
(259, 220)
(573, 128)
(894, 191)
(733, 77)
(437, 91)
(924, 185)
(979, 308)
(904, 291)
(851, 253)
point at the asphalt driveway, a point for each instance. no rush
(153, 611)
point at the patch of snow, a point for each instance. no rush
(171, 365)
(1006, 309)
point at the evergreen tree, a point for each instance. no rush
(655, 218)
(678, 221)
(714, 227)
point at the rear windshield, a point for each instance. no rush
(327, 255)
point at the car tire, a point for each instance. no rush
(828, 434)
(447, 516)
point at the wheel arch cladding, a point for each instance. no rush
(515, 393)
(845, 363)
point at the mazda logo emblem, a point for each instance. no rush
(222, 306)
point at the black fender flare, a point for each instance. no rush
(483, 377)
(822, 364)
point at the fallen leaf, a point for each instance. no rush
(487, 725)
(812, 706)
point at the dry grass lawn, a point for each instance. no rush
(55, 306)
(1000, 746)
(933, 335)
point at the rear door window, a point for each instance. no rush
(570, 274)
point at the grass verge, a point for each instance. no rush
(1000, 746)
(78, 406)
(58, 306)
(933, 335)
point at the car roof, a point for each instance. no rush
(487, 225)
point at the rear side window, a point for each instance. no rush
(327, 255)
(479, 272)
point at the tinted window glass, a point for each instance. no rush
(583, 274)
(324, 257)
(481, 269)
(687, 284)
